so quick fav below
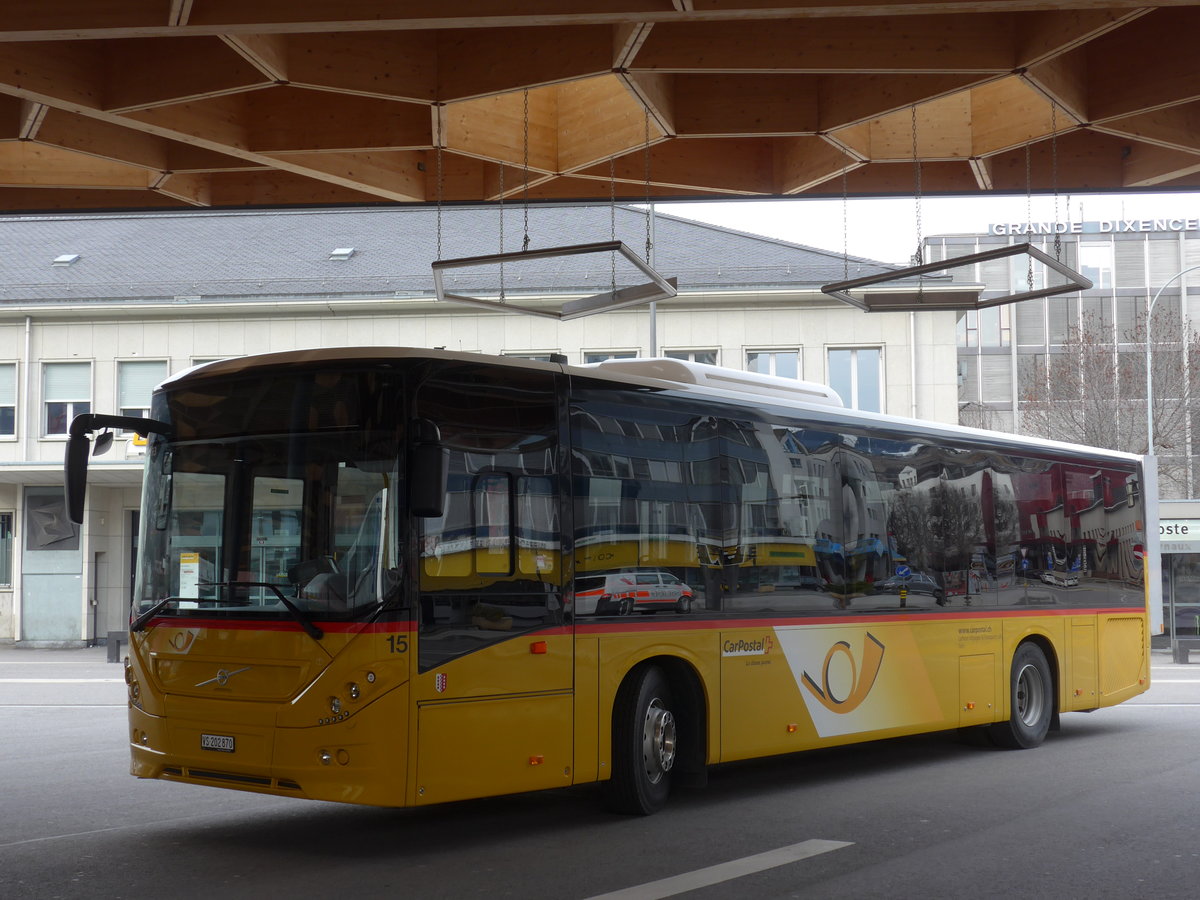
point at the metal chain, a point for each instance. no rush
(1028, 213)
(612, 217)
(525, 190)
(919, 256)
(649, 240)
(845, 229)
(502, 298)
(1054, 178)
(441, 180)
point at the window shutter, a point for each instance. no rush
(67, 381)
(137, 383)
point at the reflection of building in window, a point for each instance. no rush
(66, 393)
(1096, 263)
(595, 356)
(8, 399)
(6, 549)
(784, 363)
(708, 357)
(856, 373)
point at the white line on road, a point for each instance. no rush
(64, 706)
(61, 680)
(737, 868)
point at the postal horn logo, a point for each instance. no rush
(861, 681)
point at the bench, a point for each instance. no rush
(1181, 646)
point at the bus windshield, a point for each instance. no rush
(247, 525)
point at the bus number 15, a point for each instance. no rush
(397, 643)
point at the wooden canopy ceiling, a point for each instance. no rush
(208, 103)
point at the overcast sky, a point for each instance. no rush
(886, 230)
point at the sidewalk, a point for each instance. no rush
(16, 652)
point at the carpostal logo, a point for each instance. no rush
(843, 696)
(748, 646)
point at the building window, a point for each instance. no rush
(990, 327)
(1096, 263)
(784, 363)
(595, 356)
(8, 399)
(856, 373)
(135, 385)
(708, 357)
(6, 549)
(66, 393)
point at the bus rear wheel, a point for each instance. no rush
(644, 744)
(1031, 701)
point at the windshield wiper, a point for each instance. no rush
(297, 613)
(304, 621)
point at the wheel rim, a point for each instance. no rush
(658, 741)
(1031, 695)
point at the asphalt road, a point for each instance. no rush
(1108, 807)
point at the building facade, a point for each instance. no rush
(96, 310)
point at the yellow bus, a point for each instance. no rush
(403, 577)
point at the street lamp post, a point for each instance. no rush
(1149, 380)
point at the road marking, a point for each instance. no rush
(64, 706)
(1156, 705)
(737, 868)
(61, 680)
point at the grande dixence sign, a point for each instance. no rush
(1105, 226)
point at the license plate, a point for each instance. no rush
(222, 743)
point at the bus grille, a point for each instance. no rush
(283, 784)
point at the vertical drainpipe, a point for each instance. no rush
(654, 305)
(912, 360)
(19, 512)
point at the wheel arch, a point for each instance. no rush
(691, 712)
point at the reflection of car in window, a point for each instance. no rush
(916, 583)
(620, 593)
(1061, 579)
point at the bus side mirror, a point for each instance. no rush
(75, 475)
(428, 470)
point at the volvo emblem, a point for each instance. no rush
(222, 677)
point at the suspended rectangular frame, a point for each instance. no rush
(657, 288)
(963, 296)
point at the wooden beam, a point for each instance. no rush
(656, 93)
(493, 128)
(103, 140)
(220, 123)
(390, 65)
(58, 199)
(598, 119)
(850, 99)
(731, 166)
(266, 52)
(745, 105)
(627, 42)
(195, 190)
(1064, 80)
(897, 179)
(280, 189)
(32, 117)
(982, 170)
(29, 164)
(146, 74)
(1161, 45)
(943, 132)
(581, 188)
(287, 119)
(1044, 34)
(396, 176)
(478, 64)
(1008, 113)
(1150, 166)
(1177, 128)
(980, 43)
(803, 163)
(1085, 161)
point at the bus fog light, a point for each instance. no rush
(355, 693)
(335, 705)
(326, 757)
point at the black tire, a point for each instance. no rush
(1031, 701)
(644, 736)
(683, 605)
(625, 607)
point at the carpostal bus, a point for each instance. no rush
(358, 570)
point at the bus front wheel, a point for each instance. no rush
(1031, 700)
(644, 744)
